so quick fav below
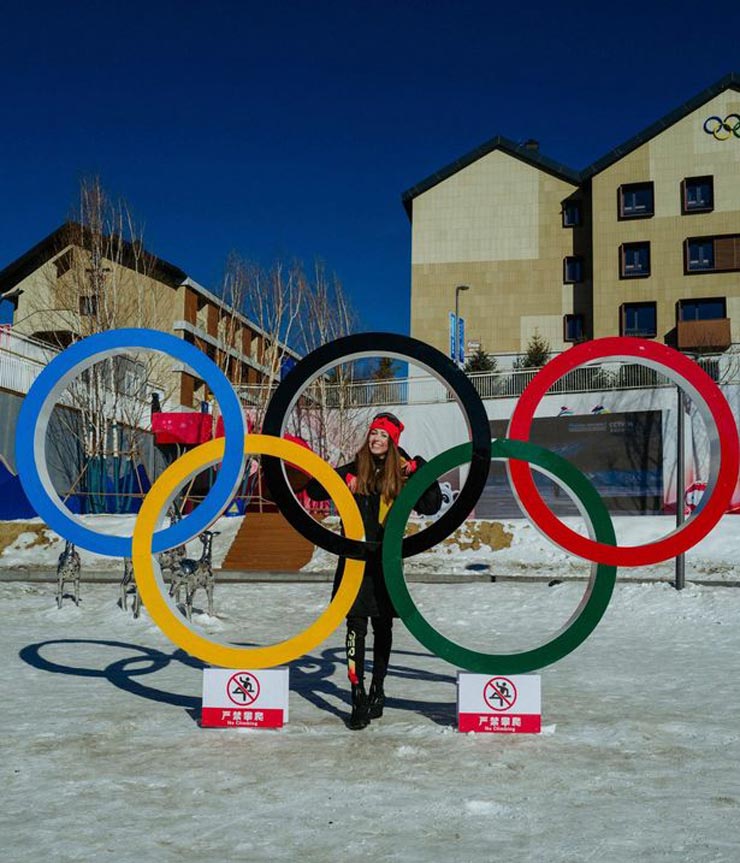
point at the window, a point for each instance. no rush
(697, 195)
(130, 376)
(89, 305)
(639, 319)
(572, 270)
(700, 254)
(634, 260)
(571, 214)
(710, 309)
(573, 328)
(712, 254)
(636, 201)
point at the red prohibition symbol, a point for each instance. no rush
(243, 688)
(500, 693)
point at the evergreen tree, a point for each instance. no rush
(536, 355)
(480, 362)
(385, 369)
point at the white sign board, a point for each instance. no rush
(244, 699)
(499, 703)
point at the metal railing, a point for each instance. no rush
(604, 377)
(587, 379)
(21, 360)
(357, 394)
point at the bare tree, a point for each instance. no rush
(272, 302)
(294, 312)
(329, 417)
(102, 279)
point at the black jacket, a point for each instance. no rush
(373, 599)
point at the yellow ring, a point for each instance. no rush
(162, 608)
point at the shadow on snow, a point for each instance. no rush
(310, 677)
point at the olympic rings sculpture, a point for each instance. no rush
(47, 389)
(600, 547)
(720, 129)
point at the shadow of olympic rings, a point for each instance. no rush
(120, 672)
(310, 677)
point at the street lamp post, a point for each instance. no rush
(457, 321)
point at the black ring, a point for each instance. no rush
(355, 347)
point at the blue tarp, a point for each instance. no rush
(15, 505)
(13, 501)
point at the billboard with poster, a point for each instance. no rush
(621, 453)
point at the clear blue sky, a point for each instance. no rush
(293, 128)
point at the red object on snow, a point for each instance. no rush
(189, 429)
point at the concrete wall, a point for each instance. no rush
(496, 226)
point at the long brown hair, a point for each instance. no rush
(387, 481)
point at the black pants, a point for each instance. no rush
(382, 642)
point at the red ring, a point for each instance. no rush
(703, 391)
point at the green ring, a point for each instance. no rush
(591, 608)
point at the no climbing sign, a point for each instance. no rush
(244, 699)
(503, 705)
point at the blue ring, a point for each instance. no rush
(33, 420)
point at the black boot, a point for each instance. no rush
(376, 700)
(359, 718)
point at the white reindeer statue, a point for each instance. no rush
(68, 569)
(193, 574)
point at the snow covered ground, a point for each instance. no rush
(104, 759)
(510, 547)
(518, 548)
(638, 760)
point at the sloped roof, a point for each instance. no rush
(731, 81)
(518, 151)
(70, 233)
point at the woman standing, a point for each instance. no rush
(375, 478)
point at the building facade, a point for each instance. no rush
(644, 242)
(71, 285)
(123, 419)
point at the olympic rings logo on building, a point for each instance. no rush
(599, 547)
(720, 129)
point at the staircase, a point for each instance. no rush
(267, 542)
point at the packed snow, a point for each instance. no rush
(638, 758)
(517, 548)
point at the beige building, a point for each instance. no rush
(69, 286)
(644, 242)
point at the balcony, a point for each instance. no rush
(703, 336)
(21, 360)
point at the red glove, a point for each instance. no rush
(351, 481)
(410, 467)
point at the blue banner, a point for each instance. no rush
(287, 365)
(461, 340)
(452, 335)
